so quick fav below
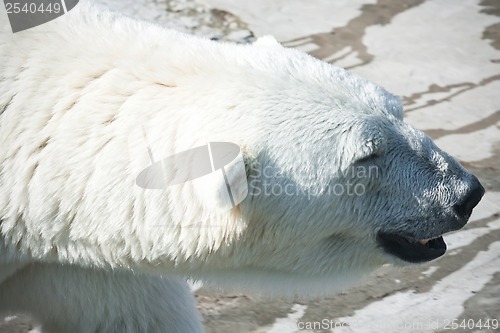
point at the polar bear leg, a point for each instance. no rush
(81, 300)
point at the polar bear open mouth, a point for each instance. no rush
(414, 251)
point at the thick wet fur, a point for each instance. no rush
(338, 183)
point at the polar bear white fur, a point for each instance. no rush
(84, 249)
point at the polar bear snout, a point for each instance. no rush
(464, 208)
(426, 242)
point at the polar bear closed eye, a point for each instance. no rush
(338, 184)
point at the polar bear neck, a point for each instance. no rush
(62, 110)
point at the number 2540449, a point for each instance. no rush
(17, 8)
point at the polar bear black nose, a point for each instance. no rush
(464, 208)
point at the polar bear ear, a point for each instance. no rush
(368, 141)
(370, 149)
(267, 41)
(394, 106)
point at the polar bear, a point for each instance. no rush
(338, 184)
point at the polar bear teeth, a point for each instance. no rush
(426, 241)
(423, 241)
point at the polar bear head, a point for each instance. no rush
(338, 183)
